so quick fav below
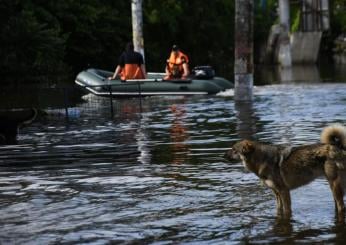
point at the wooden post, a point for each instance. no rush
(243, 52)
(137, 25)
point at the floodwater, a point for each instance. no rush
(159, 177)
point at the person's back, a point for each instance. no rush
(130, 65)
(131, 62)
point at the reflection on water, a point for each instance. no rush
(160, 177)
(299, 73)
(179, 136)
(246, 121)
(323, 72)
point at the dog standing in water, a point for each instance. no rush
(11, 121)
(283, 169)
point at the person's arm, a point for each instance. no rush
(142, 66)
(167, 68)
(186, 70)
(121, 64)
(116, 73)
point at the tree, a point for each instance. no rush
(30, 48)
(42, 40)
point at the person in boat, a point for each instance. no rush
(177, 66)
(130, 65)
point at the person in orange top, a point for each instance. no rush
(177, 64)
(130, 65)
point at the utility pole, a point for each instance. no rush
(284, 13)
(284, 58)
(137, 25)
(243, 52)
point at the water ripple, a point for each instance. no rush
(160, 178)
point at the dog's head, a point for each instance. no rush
(240, 150)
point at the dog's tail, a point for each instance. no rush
(334, 135)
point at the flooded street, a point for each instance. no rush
(159, 177)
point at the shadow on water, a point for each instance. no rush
(159, 176)
(286, 232)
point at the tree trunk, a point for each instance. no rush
(137, 25)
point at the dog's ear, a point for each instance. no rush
(248, 147)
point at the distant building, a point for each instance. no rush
(314, 15)
(302, 46)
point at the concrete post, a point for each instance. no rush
(284, 56)
(325, 15)
(137, 25)
(243, 52)
(284, 13)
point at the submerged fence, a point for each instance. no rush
(69, 101)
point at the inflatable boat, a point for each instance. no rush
(201, 82)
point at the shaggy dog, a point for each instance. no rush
(283, 169)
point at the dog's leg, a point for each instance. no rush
(334, 181)
(282, 195)
(285, 198)
(279, 208)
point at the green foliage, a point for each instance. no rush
(46, 40)
(40, 40)
(339, 14)
(265, 17)
(295, 17)
(204, 33)
(30, 48)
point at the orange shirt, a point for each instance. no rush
(130, 63)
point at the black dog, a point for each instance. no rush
(11, 121)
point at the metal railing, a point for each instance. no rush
(62, 101)
(315, 15)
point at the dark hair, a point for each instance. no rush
(129, 46)
(175, 47)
